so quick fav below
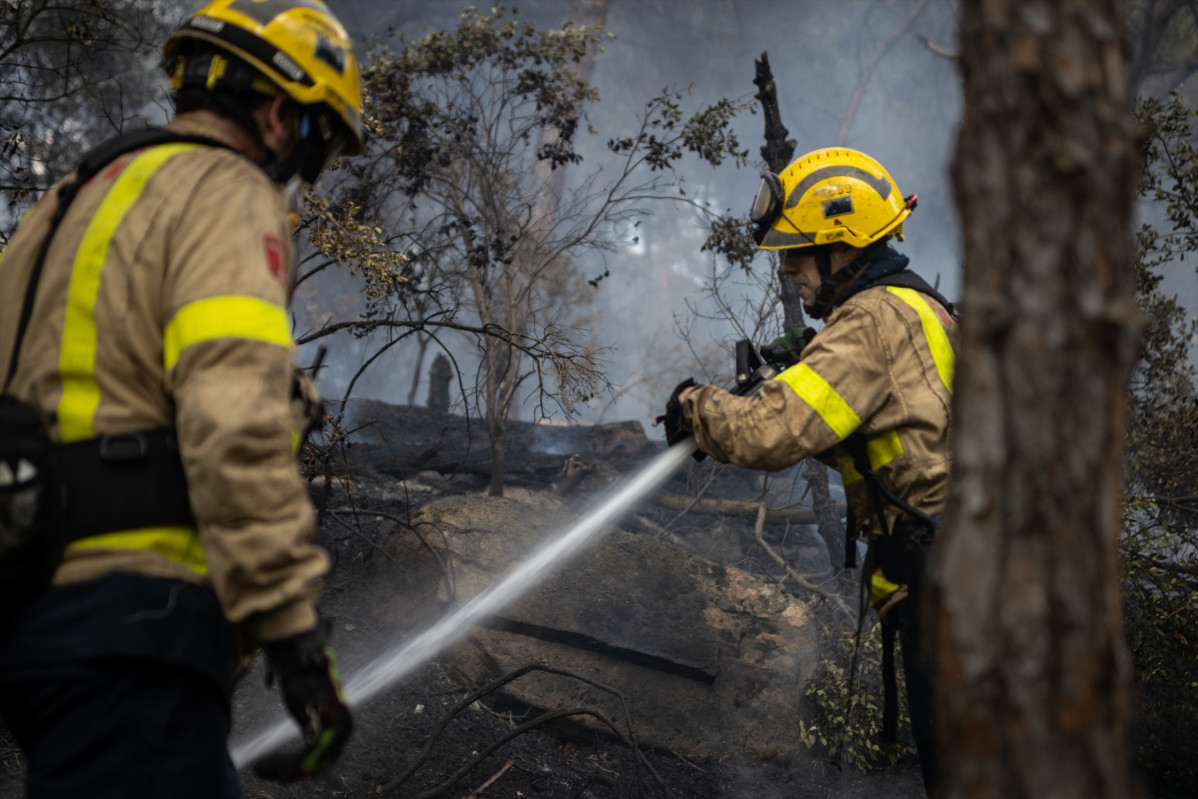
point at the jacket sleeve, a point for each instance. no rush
(228, 359)
(806, 410)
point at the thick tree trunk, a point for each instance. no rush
(1034, 680)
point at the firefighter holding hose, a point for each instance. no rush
(871, 392)
(144, 320)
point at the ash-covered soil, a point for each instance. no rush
(558, 761)
(409, 741)
(386, 755)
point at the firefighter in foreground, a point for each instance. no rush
(870, 395)
(157, 351)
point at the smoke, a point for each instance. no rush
(855, 68)
(401, 660)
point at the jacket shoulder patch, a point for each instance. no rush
(274, 255)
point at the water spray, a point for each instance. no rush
(752, 370)
(395, 664)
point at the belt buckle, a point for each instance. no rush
(122, 448)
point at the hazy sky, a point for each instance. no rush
(901, 107)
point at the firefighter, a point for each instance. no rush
(158, 352)
(871, 393)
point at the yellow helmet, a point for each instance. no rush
(829, 196)
(297, 45)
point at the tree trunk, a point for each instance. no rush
(1034, 679)
(498, 452)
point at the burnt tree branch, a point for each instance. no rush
(628, 739)
(777, 150)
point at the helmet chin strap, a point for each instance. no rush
(283, 171)
(307, 157)
(830, 283)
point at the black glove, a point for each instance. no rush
(674, 422)
(307, 673)
(785, 350)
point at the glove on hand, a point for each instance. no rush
(307, 672)
(785, 350)
(674, 422)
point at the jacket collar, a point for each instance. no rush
(882, 262)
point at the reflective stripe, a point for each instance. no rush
(224, 317)
(933, 332)
(880, 589)
(882, 450)
(816, 392)
(178, 544)
(77, 360)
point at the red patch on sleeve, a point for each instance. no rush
(116, 169)
(274, 255)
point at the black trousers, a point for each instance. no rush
(903, 560)
(122, 728)
(120, 688)
(917, 671)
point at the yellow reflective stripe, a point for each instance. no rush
(933, 332)
(880, 589)
(228, 316)
(882, 450)
(816, 392)
(180, 544)
(77, 361)
(848, 470)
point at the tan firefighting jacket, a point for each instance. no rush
(163, 302)
(882, 365)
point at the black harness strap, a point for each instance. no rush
(858, 449)
(122, 481)
(93, 161)
(889, 687)
(126, 480)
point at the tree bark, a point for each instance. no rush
(1034, 681)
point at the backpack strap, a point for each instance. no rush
(92, 162)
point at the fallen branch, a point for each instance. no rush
(732, 507)
(477, 792)
(758, 533)
(629, 740)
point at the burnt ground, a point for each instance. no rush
(562, 761)
(385, 758)
(547, 761)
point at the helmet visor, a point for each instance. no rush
(768, 202)
(325, 140)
